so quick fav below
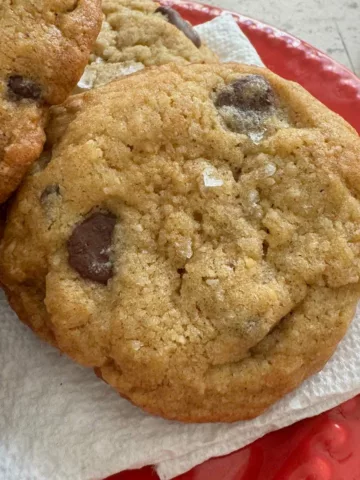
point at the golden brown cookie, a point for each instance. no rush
(3, 208)
(137, 34)
(44, 48)
(196, 242)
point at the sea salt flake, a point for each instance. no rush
(99, 267)
(184, 248)
(188, 249)
(87, 80)
(136, 345)
(210, 180)
(270, 169)
(135, 67)
(254, 196)
(256, 137)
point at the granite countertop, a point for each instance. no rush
(333, 26)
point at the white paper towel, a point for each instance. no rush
(224, 37)
(59, 422)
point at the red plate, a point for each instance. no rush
(326, 447)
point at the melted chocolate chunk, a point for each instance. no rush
(246, 103)
(41, 163)
(44, 160)
(20, 87)
(89, 247)
(250, 92)
(176, 19)
(49, 190)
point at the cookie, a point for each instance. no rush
(3, 209)
(137, 34)
(196, 242)
(44, 50)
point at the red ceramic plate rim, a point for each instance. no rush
(243, 19)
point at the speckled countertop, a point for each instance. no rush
(330, 25)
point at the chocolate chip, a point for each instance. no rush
(181, 271)
(246, 103)
(176, 19)
(21, 87)
(49, 190)
(265, 247)
(250, 92)
(45, 159)
(89, 247)
(42, 163)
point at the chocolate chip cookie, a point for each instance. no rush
(140, 33)
(3, 210)
(44, 48)
(196, 242)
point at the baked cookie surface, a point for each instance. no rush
(197, 242)
(44, 48)
(137, 34)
